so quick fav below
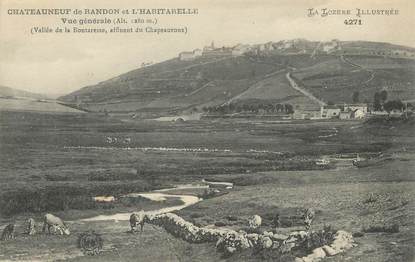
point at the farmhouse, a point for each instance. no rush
(306, 114)
(353, 107)
(345, 115)
(358, 114)
(330, 112)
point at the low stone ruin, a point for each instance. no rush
(230, 241)
(342, 241)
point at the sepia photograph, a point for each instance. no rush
(207, 130)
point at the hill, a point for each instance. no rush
(12, 99)
(330, 71)
(13, 92)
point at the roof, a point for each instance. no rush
(362, 105)
(331, 107)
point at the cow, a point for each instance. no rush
(56, 224)
(137, 218)
(8, 232)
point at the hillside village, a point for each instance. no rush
(295, 79)
(299, 46)
(295, 46)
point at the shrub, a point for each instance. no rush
(90, 243)
(319, 238)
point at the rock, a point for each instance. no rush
(266, 242)
(279, 237)
(319, 253)
(342, 240)
(268, 234)
(230, 250)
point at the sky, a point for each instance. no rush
(57, 64)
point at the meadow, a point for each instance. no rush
(57, 162)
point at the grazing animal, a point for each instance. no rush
(308, 218)
(56, 224)
(137, 218)
(30, 229)
(8, 232)
(255, 221)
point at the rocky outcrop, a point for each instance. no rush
(231, 241)
(342, 241)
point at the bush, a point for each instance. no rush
(319, 238)
(90, 243)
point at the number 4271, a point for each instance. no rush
(353, 22)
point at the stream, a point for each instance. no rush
(156, 195)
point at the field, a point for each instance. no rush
(337, 79)
(58, 162)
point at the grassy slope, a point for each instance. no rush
(175, 83)
(180, 85)
(336, 80)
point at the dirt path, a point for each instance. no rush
(294, 85)
(372, 73)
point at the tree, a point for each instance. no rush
(289, 109)
(383, 96)
(393, 105)
(377, 103)
(355, 97)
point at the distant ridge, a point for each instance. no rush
(14, 92)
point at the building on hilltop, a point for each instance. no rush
(217, 52)
(145, 64)
(210, 47)
(189, 56)
(197, 52)
(333, 45)
(240, 49)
